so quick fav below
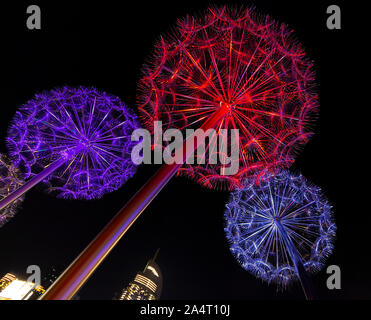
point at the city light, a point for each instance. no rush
(17, 290)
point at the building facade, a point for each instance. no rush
(12, 288)
(147, 285)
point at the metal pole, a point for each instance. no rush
(31, 183)
(66, 286)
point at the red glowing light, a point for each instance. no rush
(242, 61)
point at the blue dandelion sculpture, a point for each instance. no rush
(10, 180)
(76, 140)
(280, 229)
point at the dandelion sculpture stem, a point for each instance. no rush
(306, 282)
(65, 287)
(32, 182)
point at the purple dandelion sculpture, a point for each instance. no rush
(77, 140)
(280, 229)
(10, 181)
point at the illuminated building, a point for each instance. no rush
(4, 281)
(147, 285)
(12, 288)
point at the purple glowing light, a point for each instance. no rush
(90, 129)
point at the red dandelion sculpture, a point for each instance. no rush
(245, 62)
(228, 70)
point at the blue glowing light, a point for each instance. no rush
(259, 216)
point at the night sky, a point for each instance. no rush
(104, 46)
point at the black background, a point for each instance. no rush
(104, 45)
